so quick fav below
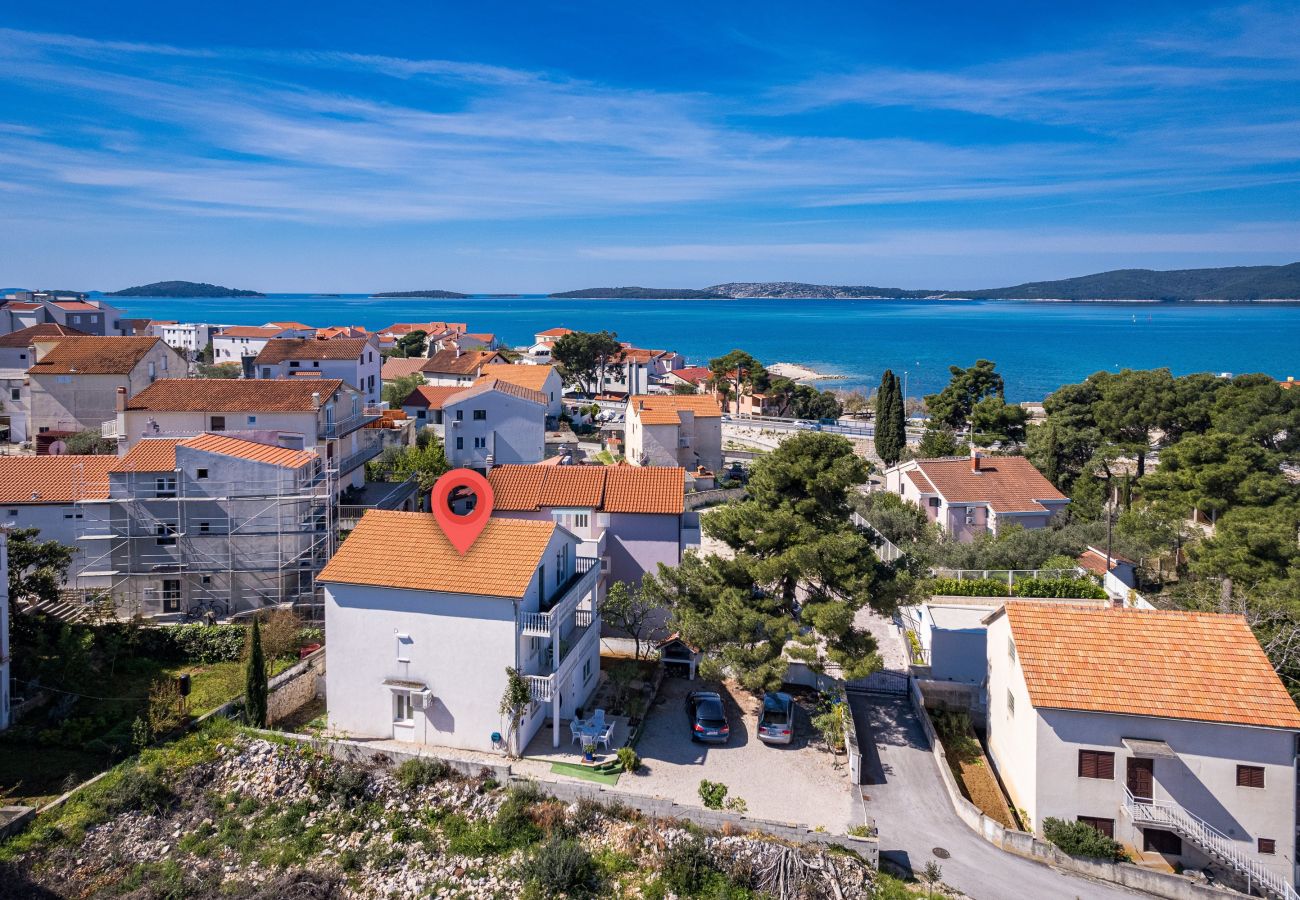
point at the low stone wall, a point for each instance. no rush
(1021, 843)
(295, 687)
(14, 819)
(701, 499)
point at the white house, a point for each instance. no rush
(18, 351)
(674, 430)
(492, 423)
(639, 371)
(968, 496)
(457, 367)
(188, 337)
(541, 378)
(357, 361)
(1168, 730)
(421, 636)
(234, 342)
(539, 352)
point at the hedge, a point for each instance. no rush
(1058, 588)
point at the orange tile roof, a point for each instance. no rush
(296, 326)
(692, 374)
(233, 395)
(655, 490)
(450, 362)
(75, 306)
(310, 348)
(150, 455)
(661, 409)
(520, 375)
(554, 332)
(24, 337)
(1205, 667)
(408, 550)
(431, 396)
(1005, 483)
(54, 479)
(92, 355)
(400, 367)
(250, 331)
(253, 451)
(483, 385)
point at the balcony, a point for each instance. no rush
(352, 460)
(543, 686)
(583, 583)
(337, 429)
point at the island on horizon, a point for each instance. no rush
(431, 294)
(638, 293)
(182, 289)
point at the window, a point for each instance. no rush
(1011, 703)
(63, 379)
(217, 423)
(205, 528)
(403, 713)
(1011, 649)
(205, 579)
(581, 520)
(200, 473)
(480, 443)
(165, 534)
(1096, 764)
(1250, 776)
(460, 443)
(934, 501)
(480, 415)
(460, 415)
(266, 371)
(252, 420)
(11, 512)
(68, 515)
(1105, 826)
(153, 371)
(1267, 846)
(15, 394)
(315, 363)
(165, 486)
(293, 364)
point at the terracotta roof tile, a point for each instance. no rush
(75, 306)
(661, 409)
(554, 332)
(54, 479)
(1005, 483)
(310, 348)
(253, 451)
(432, 396)
(449, 362)
(233, 395)
(408, 550)
(1168, 664)
(24, 337)
(251, 331)
(400, 367)
(294, 326)
(625, 489)
(95, 355)
(484, 385)
(692, 374)
(532, 377)
(149, 455)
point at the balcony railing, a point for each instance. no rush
(543, 624)
(352, 460)
(339, 428)
(543, 686)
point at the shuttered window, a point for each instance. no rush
(1250, 776)
(1267, 845)
(1096, 764)
(1105, 826)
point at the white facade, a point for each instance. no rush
(690, 441)
(188, 337)
(233, 344)
(430, 668)
(1193, 767)
(361, 372)
(492, 427)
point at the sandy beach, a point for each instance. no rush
(796, 372)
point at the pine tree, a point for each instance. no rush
(255, 681)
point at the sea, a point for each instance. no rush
(1037, 345)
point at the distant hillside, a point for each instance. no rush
(638, 293)
(794, 290)
(430, 295)
(1236, 283)
(182, 289)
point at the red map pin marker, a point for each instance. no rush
(464, 530)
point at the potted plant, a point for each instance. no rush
(589, 752)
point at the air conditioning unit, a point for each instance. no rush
(970, 517)
(421, 699)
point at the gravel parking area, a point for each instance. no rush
(798, 782)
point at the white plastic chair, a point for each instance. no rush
(598, 720)
(606, 736)
(575, 731)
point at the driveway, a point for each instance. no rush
(798, 782)
(914, 815)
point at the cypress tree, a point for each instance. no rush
(255, 681)
(884, 424)
(897, 422)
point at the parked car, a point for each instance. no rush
(776, 721)
(708, 717)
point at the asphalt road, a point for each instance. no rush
(914, 816)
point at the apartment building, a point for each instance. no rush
(491, 423)
(674, 430)
(356, 361)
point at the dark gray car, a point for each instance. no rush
(708, 717)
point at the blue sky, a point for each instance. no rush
(542, 146)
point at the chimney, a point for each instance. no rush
(315, 400)
(975, 457)
(120, 400)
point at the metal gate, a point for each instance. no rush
(894, 684)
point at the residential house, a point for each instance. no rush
(541, 378)
(674, 430)
(23, 309)
(18, 350)
(477, 341)
(1118, 574)
(357, 361)
(342, 331)
(539, 352)
(212, 523)
(630, 518)
(1167, 730)
(74, 385)
(457, 366)
(421, 635)
(432, 330)
(492, 423)
(970, 496)
(234, 342)
(694, 377)
(324, 415)
(639, 371)
(190, 338)
(395, 367)
(294, 329)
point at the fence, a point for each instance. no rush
(886, 549)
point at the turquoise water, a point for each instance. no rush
(1037, 346)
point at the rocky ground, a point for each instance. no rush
(257, 819)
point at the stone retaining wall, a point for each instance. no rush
(295, 687)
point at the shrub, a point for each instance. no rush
(418, 772)
(514, 826)
(280, 633)
(1063, 588)
(712, 793)
(138, 789)
(687, 867)
(562, 868)
(969, 587)
(1080, 839)
(344, 784)
(829, 721)
(628, 759)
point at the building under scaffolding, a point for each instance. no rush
(207, 526)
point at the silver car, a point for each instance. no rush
(776, 721)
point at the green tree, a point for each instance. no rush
(220, 370)
(630, 609)
(205, 355)
(91, 442)
(855, 403)
(37, 569)
(514, 703)
(993, 420)
(891, 429)
(396, 391)
(1213, 472)
(737, 373)
(938, 441)
(1251, 545)
(413, 343)
(584, 357)
(799, 573)
(255, 687)
(425, 461)
(953, 405)
(683, 389)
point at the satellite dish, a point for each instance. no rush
(58, 448)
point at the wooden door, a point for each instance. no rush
(1141, 778)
